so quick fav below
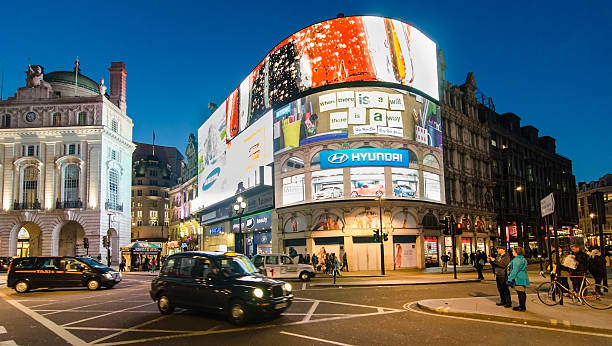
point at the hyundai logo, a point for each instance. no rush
(338, 158)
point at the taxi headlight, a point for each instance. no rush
(258, 292)
(288, 287)
(108, 275)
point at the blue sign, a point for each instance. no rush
(215, 230)
(252, 222)
(365, 157)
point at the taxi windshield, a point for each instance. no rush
(238, 266)
(90, 261)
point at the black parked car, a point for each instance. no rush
(26, 273)
(4, 263)
(222, 282)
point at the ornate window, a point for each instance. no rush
(30, 186)
(430, 161)
(83, 118)
(316, 159)
(113, 188)
(71, 183)
(57, 119)
(292, 164)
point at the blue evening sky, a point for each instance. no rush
(548, 62)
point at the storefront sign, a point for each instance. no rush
(364, 157)
(215, 230)
(252, 222)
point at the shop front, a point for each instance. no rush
(219, 237)
(432, 256)
(252, 233)
(140, 254)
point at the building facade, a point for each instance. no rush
(65, 150)
(156, 169)
(588, 222)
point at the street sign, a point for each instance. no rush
(547, 205)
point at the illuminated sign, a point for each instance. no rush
(253, 222)
(365, 157)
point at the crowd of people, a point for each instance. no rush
(323, 261)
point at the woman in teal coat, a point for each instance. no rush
(518, 277)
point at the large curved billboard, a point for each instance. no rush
(341, 50)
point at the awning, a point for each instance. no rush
(142, 248)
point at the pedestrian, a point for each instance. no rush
(315, 261)
(597, 267)
(99, 257)
(300, 259)
(136, 265)
(122, 264)
(345, 266)
(307, 259)
(445, 258)
(465, 257)
(581, 266)
(145, 265)
(518, 278)
(153, 264)
(561, 272)
(500, 263)
(335, 265)
(473, 258)
(479, 262)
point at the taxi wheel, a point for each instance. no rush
(93, 285)
(304, 276)
(238, 312)
(22, 287)
(164, 305)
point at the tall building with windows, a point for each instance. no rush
(587, 212)
(65, 153)
(155, 170)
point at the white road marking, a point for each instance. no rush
(130, 329)
(8, 343)
(110, 313)
(2, 330)
(303, 286)
(409, 307)
(57, 329)
(311, 311)
(316, 339)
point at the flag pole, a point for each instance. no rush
(76, 75)
(153, 142)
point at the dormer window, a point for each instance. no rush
(6, 121)
(83, 118)
(57, 119)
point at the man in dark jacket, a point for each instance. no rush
(582, 266)
(597, 266)
(500, 264)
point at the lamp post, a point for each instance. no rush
(108, 259)
(239, 208)
(382, 237)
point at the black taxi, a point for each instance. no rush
(222, 282)
(26, 273)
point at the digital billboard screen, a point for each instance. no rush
(340, 50)
(357, 112)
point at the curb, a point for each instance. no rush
(563, 325)
(371, 284)
(139, 274)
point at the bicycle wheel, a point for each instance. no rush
(548, 293)
(597, 296)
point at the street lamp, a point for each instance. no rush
(239, 208)
(382, 237)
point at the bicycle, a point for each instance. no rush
(595, 296)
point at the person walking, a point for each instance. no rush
(307, 258)
(345, 266)
(518, 278)
(153, 264)
(500, 263)
(122, 264)
(466, 258)
(479, 262)
(445, 258)
(315, 262)
(473, 258)
(597, 267)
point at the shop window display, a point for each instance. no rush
(367, 182)
(327, 184)
(405, 182)
(293, 189)
(431, 252)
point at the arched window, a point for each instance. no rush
(30, 187)
(431, 161)
(71, 183)
(83, 118)
(430, 221)
(316, 159)
(292, 164)
(6, 121)
(412, 158)
(57, 119)
(113, 189)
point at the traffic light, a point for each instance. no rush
(386, 236)
(85, 243)
(376, 235)
(444, 226)
(459, 229)
(105, 242)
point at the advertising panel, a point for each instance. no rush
(367, 182)
(367, 157)
(293, 189)
(340, 50)
(228, 168)
(357, 112)
(405, 182)
(258, 221)
(327, 184)
(432, 186)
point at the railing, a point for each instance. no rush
(114, 206)
(26, 205)
(68, 204)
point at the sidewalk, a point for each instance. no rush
(569, 316)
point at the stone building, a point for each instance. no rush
(155, 170)
(586, 223)
(65, 153)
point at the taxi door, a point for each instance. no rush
(73, 272)
(288, 268)
(47, 271)
(273, 268)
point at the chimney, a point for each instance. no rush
(117, 84)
